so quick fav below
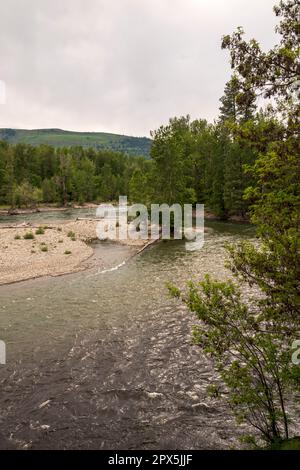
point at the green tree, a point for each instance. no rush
(3, 163)
(108, 184)
(235, 105)
(251, 341)
(50, 190)
(82, 181)
(8, 179)
(138, 187)
(173, 165)
(254, 363)
(27, 195)
(64, 176)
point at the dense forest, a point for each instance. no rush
(31, 175)
(191, 161)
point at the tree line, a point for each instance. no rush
(44, 174)
(191, 161)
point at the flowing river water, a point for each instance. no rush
(103, 359)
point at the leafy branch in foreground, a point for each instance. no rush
(253, 362)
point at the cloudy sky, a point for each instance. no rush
(121, 66)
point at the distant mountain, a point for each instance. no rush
(60, 138)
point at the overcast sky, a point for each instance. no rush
(121, 66)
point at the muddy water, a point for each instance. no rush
(104, 359)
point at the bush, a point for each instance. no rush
(27, 195)
(71, 234)
(28, 236)
(17, 237)
(44, 248)
(40, 231)
(67, 252)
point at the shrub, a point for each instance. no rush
(40, 231)
(71, 234)
(28, 236)
(17, 237)
(44, 248)
(67, 252)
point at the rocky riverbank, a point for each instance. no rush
(34, 210)
(28, 251)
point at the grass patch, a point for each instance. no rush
(286, 444)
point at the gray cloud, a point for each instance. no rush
(119, 66)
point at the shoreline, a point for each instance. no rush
(59, 249)
(44, 209)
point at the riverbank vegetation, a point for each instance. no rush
(252, 343)
(191, 161)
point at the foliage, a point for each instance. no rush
(251, 342)
(31, 175)
(28, 236)
(173, 163)
(253, 362)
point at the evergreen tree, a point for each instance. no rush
(236, 106)
(173, 164)
(8, 179)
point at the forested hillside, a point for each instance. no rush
(139, 146)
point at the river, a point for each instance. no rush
(103, 359)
